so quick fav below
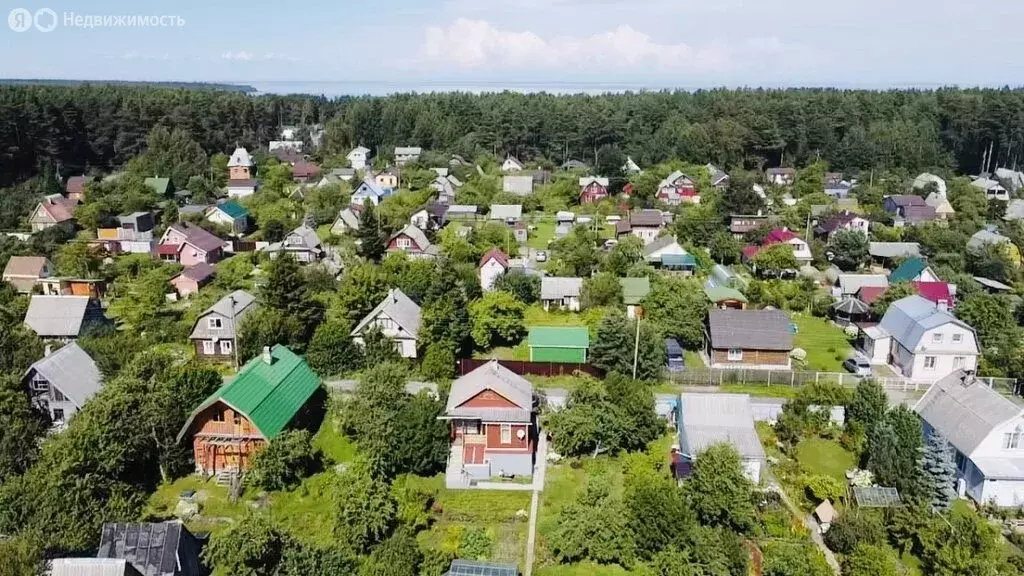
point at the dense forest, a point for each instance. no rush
(99, 127)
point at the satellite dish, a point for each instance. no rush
(521, 434)
(830, 255)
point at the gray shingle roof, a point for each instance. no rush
(965, 410)
(153, 549)
(495, 377)
(397, 306)
(707, 419)
(750, 330)
(57, 316)
(240, 157)
(894, 249)
(72, 371)
(909, 318)
(414, 234)
(983, 237)
(851, 283)
(91, 567)
(506, 211)
(243, 304)
(519, 185)
(556, 288)
(648, 218)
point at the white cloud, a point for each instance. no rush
(246, 56)
(241, 55)
(476, 44)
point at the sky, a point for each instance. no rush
(389, 45)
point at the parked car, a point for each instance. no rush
(612, 219)
(858, 366)
(541, 256)
(610, 243)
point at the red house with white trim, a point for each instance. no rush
(593, 189)
(493, 425)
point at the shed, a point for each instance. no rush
(559, 344)
(725, 297)
(825, 512)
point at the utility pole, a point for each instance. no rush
(234, 330)
(636, 342)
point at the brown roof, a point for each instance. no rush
(60, 210)
(30, 266)
(199, 272)
(198, 237)
(497, 254)
(305, 170)
(647, 218)
(76, 185)
(240, 183)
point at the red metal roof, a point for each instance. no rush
(934, 291)
(497, 254)
(868, 294)
(168, 249)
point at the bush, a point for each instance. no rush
(438, 363)
(476, 545)
(854, 529)
(285, 461)
(821, 488)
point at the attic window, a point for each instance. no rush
(735, 354)
(214, 323)
(958, 338)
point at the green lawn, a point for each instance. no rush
(820, 456)
(540, 237)
(761, 390)
(826, 345)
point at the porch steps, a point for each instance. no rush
(455, 477)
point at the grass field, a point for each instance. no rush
(540, 237)
(820, 456)
(761, 390)
(826, 345)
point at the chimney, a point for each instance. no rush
(267, 358)
(394, 297)
(48, 350)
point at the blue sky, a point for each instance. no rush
(655, 43)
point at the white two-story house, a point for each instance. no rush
(987, 431)
(358, 157)
(925, 342)
(398, 318)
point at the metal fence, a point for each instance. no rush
(522, 367)
(793, 378)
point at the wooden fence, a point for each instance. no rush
(522, 367)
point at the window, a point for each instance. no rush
(929, 362)
(208, 348)
(403, 243)
(237, 419)
(218, 416)
(958, 338)
(506, 433)
(214, 323)
(58, 416)
(1011, 440)
(386, 323)
(225, 347)
(57, 396)
(735, 354)
(937, 338)
(40, 385)
(958, 362)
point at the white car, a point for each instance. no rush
(541, 256)
(859, 366)
(612, 219)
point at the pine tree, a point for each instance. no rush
(371, 243)
(940, 470)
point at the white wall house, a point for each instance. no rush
(398, 318)
(493, 264)
(358, 157)
(926, 343)
(987, 431)
(560, 293)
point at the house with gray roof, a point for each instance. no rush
(348, 219)
(985, 428)
(62, 382)
(491, 412)
(153, 549)
(412, 241)
(25, 272)
(1014, 210)
(749, 339)
(561, 293)
(302, 243)
(398, 318)
(61, 317)
(891, 251)
(506, 212)
(215, 333)
(91, 567)
(709, 419)
(850, 284)
(921, 340)
(983, 238)
(992, 188)
(369, 190)
(406, 154)
(518, 185)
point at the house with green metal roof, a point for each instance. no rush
(230, 214)
(269, 395)
(913, 270)
(159, 185)
(634, 290)
(559, 344)
(725, 297)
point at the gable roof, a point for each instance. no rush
(237, 305)
(659, 243)
(717, 294)
(926, 178)
(716, 175)
(588, 180)
(154, 549)
(232, 209)
(909, 318)
(197, 236)
(908, 270)
(72, 371)
(497, 255)
(520, 185)
(935, 291)
(414, 234)
(983, 237)
(76, 185)
(57, 316)
(408, 150)
(556, 288)
(750, 329)
(559, 337)
(348, 217)
(269, 395)
(708, 419)
(649, 218)
(634, 290)
(369, 187)
(780, 171)
(357, 150)
(59, 209)
(837, 221)
(199, 272)
(91, 567)
(397, 306)
(307, 235)
(491, 376)
(851, 283)
(965, 410)
(894, 249)
(506, 211)
(240, 158)
(904, 200)
(25, 266)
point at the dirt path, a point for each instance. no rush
(538, 486)
(812, 525)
